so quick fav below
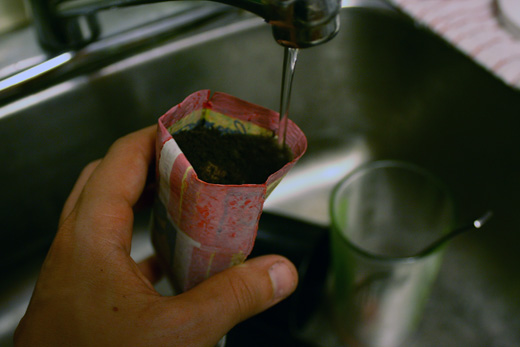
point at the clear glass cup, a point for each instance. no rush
(383, 214)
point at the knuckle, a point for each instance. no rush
(244, 295)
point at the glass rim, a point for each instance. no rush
(379, 164)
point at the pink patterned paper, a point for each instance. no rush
(200, 228)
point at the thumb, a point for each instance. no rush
(227, 298)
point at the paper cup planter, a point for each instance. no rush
(201, 228)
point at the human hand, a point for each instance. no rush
(91, 292)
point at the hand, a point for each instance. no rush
(91, 292)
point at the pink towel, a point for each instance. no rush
(475, 28)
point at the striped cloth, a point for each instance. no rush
(475, 28)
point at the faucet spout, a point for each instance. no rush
(303, 23)
(295, 23)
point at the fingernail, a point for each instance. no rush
(283, 279)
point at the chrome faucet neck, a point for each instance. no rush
(72, 24)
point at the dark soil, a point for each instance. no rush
(225, 158)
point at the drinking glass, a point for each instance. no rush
(383, 215)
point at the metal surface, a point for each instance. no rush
(12, 15)
(25, 68)
(384, 88)
(72, 24)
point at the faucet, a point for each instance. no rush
(71, 24)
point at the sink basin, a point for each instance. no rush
(384, 88)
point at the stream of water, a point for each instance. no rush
(289, 63)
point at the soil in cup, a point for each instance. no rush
(231, 158)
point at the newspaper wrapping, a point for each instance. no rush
(200, 228)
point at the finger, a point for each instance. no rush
(151, 269)
(76, 190)
(237, 294)
(115, 186)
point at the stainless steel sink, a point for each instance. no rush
(384, 88)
